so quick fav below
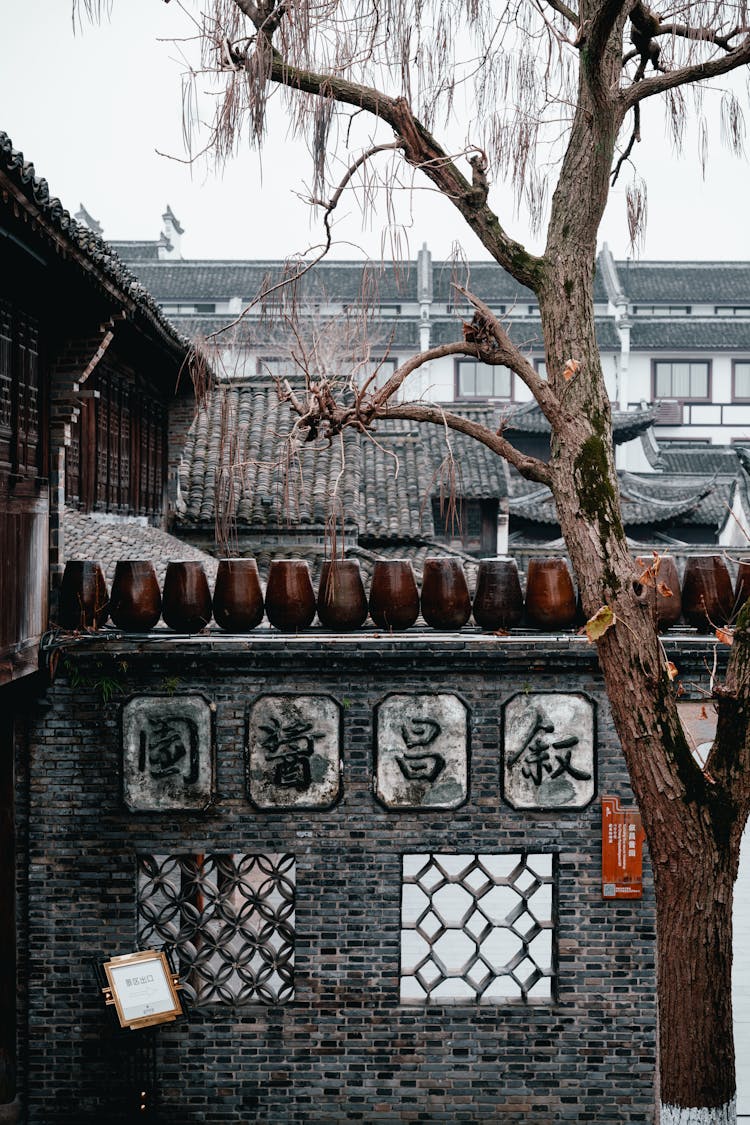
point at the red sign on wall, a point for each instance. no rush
(622, 851)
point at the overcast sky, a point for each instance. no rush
(91, 109)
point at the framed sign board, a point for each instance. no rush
(622, 850)
(142, 988)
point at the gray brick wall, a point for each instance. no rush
(344, 1049)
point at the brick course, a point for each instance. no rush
(344, 1049)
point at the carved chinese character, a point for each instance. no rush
(548, 751)
(421, 754)
(294, 751)
(168, 751)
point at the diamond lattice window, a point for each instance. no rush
(477, 927)
(229, 920)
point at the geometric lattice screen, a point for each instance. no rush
(229, 919)
(476, 927)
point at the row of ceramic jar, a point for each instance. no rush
(238, 604)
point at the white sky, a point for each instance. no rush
(91, 110)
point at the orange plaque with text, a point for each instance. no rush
(622, 851)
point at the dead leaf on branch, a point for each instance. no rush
(571, 368)
(597, 626)
(671, 669)
(725, 636)
(664, 590)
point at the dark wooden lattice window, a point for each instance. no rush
(472, 525)
(20, 406)
(116, 460)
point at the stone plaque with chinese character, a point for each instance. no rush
(548, 751)
(167, 752)
(294, 751)
(422, 751)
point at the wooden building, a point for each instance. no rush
(89, 375)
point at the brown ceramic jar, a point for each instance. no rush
(186, 599)
(498, 601)
(290, 598)
(445, 596)
(668, 610)
(238, 598)
(550, 596)
(394, 598)
(342, 602)
(84, 603)
(135, 602)
(707, 596)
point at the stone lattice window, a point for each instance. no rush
(477, 927)
(229, 920)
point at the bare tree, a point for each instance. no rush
(548, 86)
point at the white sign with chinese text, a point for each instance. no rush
(294, 751)
(549, 754)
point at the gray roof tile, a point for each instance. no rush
(686, 282)
(689, 333)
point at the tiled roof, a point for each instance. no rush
(656, 504)
(136, 251)
(104, 540)
(266, 487)
(192, 280)
(528, 418)
(686, 282)
(692, 457)
(196, 280)
(490, 282)
(98, 252)
(687, 333)
(385, 483)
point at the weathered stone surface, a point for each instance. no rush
(422, 751)
(548, 756)
(294, 751)
(167, 752)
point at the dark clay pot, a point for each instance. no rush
(342, 602)
(668, 610)
(186, 600)
(84, 602)
(498, 602)
(445, 596)
(550, 596)
(707, 596)
(135, 602)
(290, 598)
(238, 598)
(394, 598)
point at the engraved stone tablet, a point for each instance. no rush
(294, 751)
(422, 751)
(548, 751)
(167, 752)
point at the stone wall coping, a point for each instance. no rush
(363, 644)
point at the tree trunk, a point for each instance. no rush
(694, 972)
(692, 824)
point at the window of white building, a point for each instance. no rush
(682, 379)
(481, 381)
(741, 380)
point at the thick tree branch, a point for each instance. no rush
(701, 34)
(530, 467)
(509, 354)
(422, 151)
(698, 72)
